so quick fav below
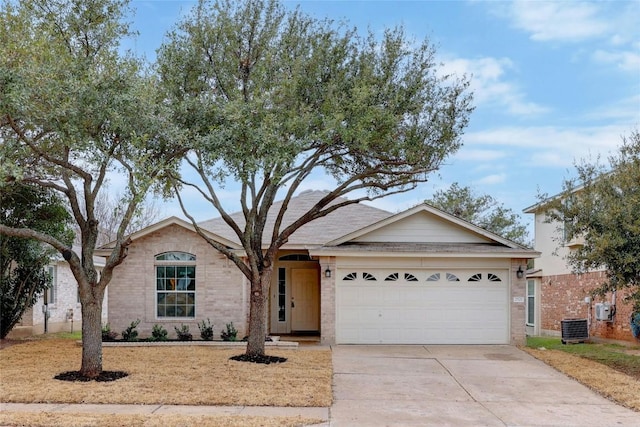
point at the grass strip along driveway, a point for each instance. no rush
(166, 375)
(609, 369)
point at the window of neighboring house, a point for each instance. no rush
(531, 301)
(52, 292)
(175, 284)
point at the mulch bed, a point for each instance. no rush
(105, 376)
(256, 358)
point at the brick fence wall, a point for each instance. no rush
(563, 297)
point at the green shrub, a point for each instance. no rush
(130, 334)
(108, 334)
(230, 334)
(183, 333)
(158, 333)
(206, 330)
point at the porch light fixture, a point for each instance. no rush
(327, 273)
(519, 273)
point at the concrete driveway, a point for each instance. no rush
(461, 386)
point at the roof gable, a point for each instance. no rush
(167, 222)
(423, 224)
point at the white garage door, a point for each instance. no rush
(376, 306)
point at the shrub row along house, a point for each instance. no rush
(360, 275)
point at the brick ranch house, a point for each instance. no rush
(555, 293)
(361, 275)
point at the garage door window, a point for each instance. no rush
(392, 277)
(350, 276)
(434, 277)
(452, 277)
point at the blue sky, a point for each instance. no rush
(553, 81)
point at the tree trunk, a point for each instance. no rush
(258, 314)
(92, 334)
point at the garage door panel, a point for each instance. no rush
(423, 312)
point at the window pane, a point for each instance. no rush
(530, 310)
(191, 284)
(171, 299)
(170, 271)
(161, 297)
(191, 311)
(191, 298)
(181, 299)
(160, 272)
(161, 311)
(180, 311)
(171, 311)
(160, 284)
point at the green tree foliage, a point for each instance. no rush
(22, 261)
(601, 206)
(270, 97)
(482, 210)
(74, 109)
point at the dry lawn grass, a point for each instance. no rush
(612, 384)
(166, 375)
(84, 420)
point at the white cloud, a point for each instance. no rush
(480, 155)
(562, 21)
(490, 86)
(551, 146)
(625, 60)
(491, 179)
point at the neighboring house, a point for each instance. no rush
(62, 303)
(554, 293)
(361, 275)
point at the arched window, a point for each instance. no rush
(175, 284)
(175, 256)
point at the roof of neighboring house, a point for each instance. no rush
(318, 232)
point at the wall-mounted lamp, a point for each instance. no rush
(327, 273)
(519, 273)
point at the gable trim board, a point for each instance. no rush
(420, 240)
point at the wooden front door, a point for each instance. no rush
(305, 300)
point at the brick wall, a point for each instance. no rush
(328, 301)
(219, 285)
(563, 297)
(517, 303)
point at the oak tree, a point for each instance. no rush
(271, 97)
(75, 110)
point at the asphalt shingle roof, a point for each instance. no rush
(343, 221)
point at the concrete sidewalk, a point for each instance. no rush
(266, 411)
